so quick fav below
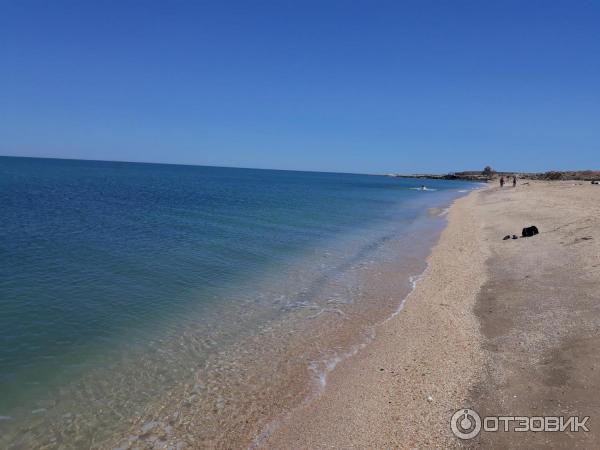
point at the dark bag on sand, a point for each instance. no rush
(529, 231)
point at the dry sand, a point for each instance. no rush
(506, 327)
(540, 311)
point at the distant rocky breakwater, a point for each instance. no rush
(465, 176)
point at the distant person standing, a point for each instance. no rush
(501, 181)
(514, 181)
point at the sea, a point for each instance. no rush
(152, 303)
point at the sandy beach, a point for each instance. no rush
(294, 225)
(378, 358)
(538, 311)
(506, 327)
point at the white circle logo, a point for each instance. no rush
(465, 424)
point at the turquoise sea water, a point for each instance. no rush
(105, 267)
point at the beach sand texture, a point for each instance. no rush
(401, 390)
(505, 327)
(539, 311)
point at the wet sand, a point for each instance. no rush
(402, 388)
(505, 327)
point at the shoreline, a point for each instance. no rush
(397, 391)
(305, 357)
(200, 412)
(504, 327)
(368, 336)
(222, 332)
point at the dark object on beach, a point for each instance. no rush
(514, 181)
(529, 231)
(515, 236)
(501, 181)
(506, 237)
(595, 182)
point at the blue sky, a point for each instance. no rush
(358, 86)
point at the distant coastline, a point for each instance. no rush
(485, 176)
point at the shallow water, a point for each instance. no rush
(160, 301)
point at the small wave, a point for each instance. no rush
(414, 279)
(320, 368)
(329, 364)
(323, 367)
(424, 188)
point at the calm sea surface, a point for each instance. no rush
(122, 281)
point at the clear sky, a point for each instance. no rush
(358, 86)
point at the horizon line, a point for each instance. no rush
(253, 168)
